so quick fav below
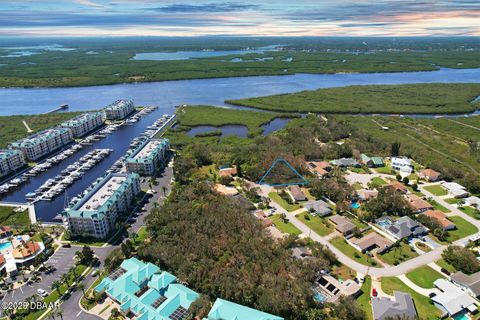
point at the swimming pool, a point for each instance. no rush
(355, 205)
(461, 316)
(5, 245)
(319, 297)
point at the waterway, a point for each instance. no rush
(166, 95)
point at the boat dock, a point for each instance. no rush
(62, 107)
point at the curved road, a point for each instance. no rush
(392, 271)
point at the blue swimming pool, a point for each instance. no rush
(355, 205)
(5, 245)
(319, 297)
(461, 316)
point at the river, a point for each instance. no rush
(166, 95)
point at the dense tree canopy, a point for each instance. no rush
(461, 259)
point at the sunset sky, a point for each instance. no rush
(211, 17)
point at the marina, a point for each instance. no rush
(49, 188)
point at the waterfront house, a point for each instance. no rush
(455, 190)
(441, 218)
(372, 162)
(342, 224)
(452, 300)
(318, 208)
(226, 310)
(296, 193)
(469, 282)
(429, 175)
(401, 306)
(96, 213)
(146, 292)
(402, 164)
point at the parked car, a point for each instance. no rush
(374, 292)
(445, 271)
(66, 245)
(94, 273)
(42, 292)
(432, 294)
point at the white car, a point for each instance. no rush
(42, 292)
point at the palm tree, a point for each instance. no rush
(65, 278)
(73, 270)
(22, 273)
(56, 285)
(82, 287)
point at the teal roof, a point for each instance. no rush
(147, 291)
(375, 160)
(162, 145)
(226, 310)
(39, 137)
(8, 153)
(78, 120)
(120, 104)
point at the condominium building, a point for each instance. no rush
(119, 109)
(95, 214)
(148, 156)
(84, 123)
(10, 160)
(43, 142)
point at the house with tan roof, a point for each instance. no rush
(429, 175)
(398, 186)
(342, 224)
(441, 219)
(227, 171)
(418, 204)
(371, 242)
(365, 194)
(318, 168)
(296, 194)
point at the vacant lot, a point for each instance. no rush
(424, 276)
(319, 225)
(284, 227)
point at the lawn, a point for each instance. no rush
(283, 203)
(12, 128)
(364, 299)
(445, 265)
(319, 225)
(464, 228)
(357, 186)
(377, 182)
(437, 206)
(399, 254)
(10, 218)
(192, 116)
(284, 227)
(341, 244)
(141, 235)
(472, 212)
(452, 200)
(425, 308)
(424, 276)
(436, 190)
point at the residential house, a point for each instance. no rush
(296, 193)
(418, 204)
(469, 282)
(342, 224)
(429, 175)
(365, 194)
(223, 310)
(146, 292)
(455, 190)
(372, 162)
(260, 214)
(402, 164)
(406, 227)
(398, 186)
(330, 289)
(227, 171)
(346, 162)
(5, 232)
(370, 242)
(451, 299)
(472, 201)
(301, 253)
(319, 168)
(441, 219)
(224, 190)
(318, 207)
(401, 306)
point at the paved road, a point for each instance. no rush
(391, 271)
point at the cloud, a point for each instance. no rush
(89, 3)
(207, 7)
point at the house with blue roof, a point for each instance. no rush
(147, 292)
(226, 310)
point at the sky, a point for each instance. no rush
(240, 18)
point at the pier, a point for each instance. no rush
(62, 107)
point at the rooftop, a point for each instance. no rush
(119, 104)
(372, 239)
(7, 153)
(452, 299)
(471, 281)
(226, 310)
(41, 136)
(81, 119)
(108, 188)
(147, 150)
(401, 306)
(440, 217)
